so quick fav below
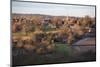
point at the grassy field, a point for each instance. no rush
(61, 54)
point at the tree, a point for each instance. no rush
(25, 29)
(70, 37)
(86, 21)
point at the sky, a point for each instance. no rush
(52, 9)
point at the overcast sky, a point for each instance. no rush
(52, 9)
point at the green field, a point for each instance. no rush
(61, 54)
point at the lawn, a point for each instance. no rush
(61, 54)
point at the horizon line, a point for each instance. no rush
(54, 15)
